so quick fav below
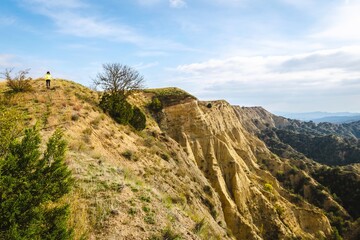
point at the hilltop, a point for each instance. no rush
(197, 171)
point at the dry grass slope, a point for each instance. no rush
(129, 184)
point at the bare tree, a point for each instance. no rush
(119, 79)
(19, 82)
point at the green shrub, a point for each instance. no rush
(279, 209)
(268, 187)
(132, 211)
(122, 111)
(155, 105)
(95, 122)
(146, 209)
(11, 127)
(280, 176)
(75, 117)
(296, 198)
(127, 154)
(32, 185)
(138, 120)
(342, 183)
(207, 190)
(336, 235)
(210, 206)
(149, 218)
(118, 108)
(167, 234)
(165, 156)
(145, 198)
(199, 226)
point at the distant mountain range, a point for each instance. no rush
(317, 117)
(338, 119)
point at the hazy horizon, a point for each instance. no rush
(284, 55)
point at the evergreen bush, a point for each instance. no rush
(122, 111)
(138, 120)
(155, 105)
(118, 108)
(31, 186)
(11, 127)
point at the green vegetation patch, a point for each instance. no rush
(170, 96)
(32, 185)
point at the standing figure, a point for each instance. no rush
(48, 78)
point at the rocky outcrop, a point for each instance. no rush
(256, 119)
(254, 205)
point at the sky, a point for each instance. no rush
(284, 55)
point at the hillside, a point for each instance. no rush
(196, 172)
(119, 193)
(327, 143)
(304, 142)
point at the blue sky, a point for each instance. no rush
(284, 55)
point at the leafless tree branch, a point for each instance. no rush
(119, 79)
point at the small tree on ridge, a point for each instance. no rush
(119, 79)
(118, 82)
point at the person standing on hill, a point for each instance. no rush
(48, 78)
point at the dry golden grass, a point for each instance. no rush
(113, 196)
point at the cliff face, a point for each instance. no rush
(255, 119)
(304, 145)
(253, 203)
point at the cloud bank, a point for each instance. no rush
(342, 23)
(278, 78)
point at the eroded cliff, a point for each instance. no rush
(255, 206)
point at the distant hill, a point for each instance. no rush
(337, 117)
(326, 149)
(306, 144)
(326, 143)
(346, 130)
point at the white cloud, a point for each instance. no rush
(342, 23)
(177, 3)
(314, 66)
(141, 66)
(275, 79)
(82, 26)
(69, 20)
